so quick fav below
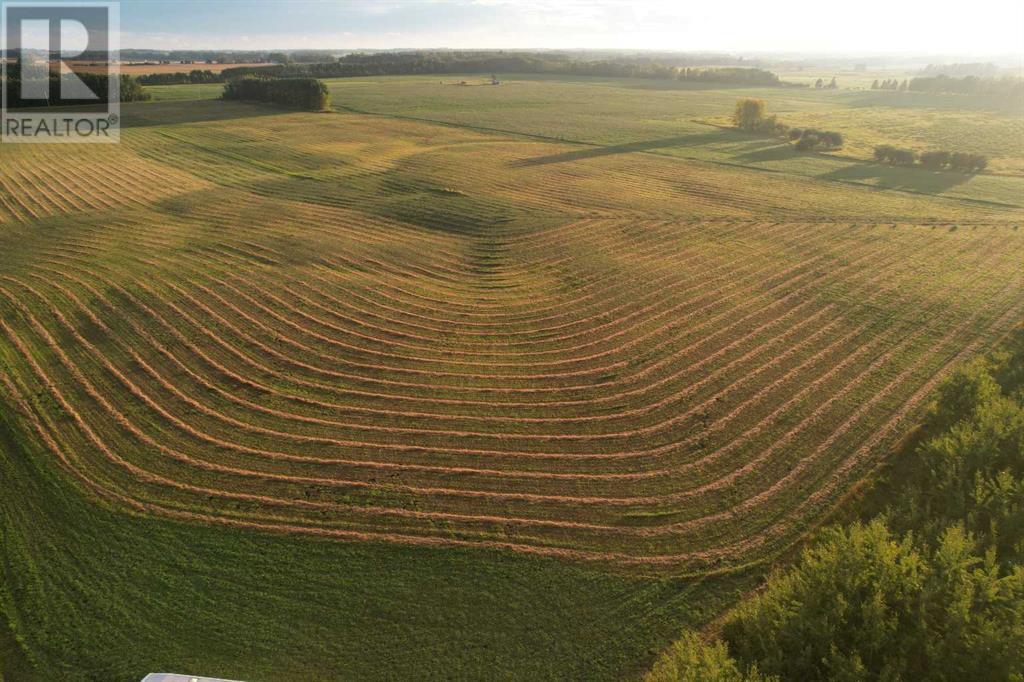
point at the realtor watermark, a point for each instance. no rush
(61, 72)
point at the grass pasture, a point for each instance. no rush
(367, 394)
(674, 116)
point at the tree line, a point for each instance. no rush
(130, 90)
(933, 160)
(454, 62)
(750, 115)
(739, 76)
(965, 85)
(193, 77)
(176, 56)
(299, 93)
(962, 69)
(930, 588)
(890, 84)
(968, 85)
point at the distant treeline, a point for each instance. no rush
(890, 84)
(413, 63)
(966, 85)
(934, 160)
(130, 91)
(299, 93)
(668, 57)
(971, 69)
(182, 78)
(738, 75)
(175, 56)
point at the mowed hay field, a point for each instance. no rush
(347, 394)
(679, 119)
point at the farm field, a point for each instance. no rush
(439, 371)
(672, 118)
(685, 121)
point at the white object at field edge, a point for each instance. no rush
(174, 677)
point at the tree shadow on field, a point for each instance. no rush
(769, 151)
(146, 114)
(692, 140)
(906, 179)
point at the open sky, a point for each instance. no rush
(861, 26)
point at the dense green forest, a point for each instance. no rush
(928, 587)
(299, 93)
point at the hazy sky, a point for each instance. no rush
(861, 26)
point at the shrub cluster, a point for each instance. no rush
(750, 115)
(812, 139)
(933, 160)
(298, 93)
(886, 153)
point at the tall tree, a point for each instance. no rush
(749, 113)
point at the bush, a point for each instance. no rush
(895, 155)
(967, 163)
(691, 660)
(812, 139)
(904, 157)
(299, 93)
(770, 125)
(807, 142)
(935, 160)
(749, 113)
